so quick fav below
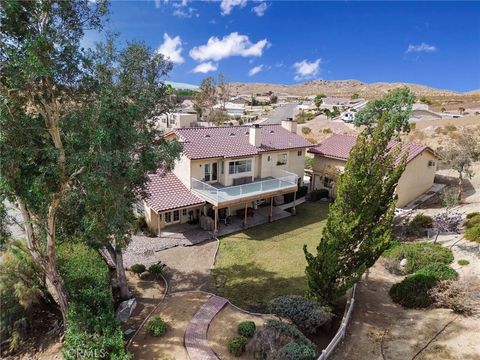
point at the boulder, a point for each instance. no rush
(125, 309)
(403, 263)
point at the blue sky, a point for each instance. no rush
(431, 43)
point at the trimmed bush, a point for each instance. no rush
(439, 270)
(291, 331)
(246, 329)
(418, 224)
(306, 130)
(156, 269)
(473, 214)
(156, 326)
(138, 269)
(472, 220)
(473, 233)
(316, 195)
(413, 291)
(418, 255)
(237, 344)
(463, 262)
(294, 351)
(304, 313)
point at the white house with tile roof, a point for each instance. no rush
(226, 170)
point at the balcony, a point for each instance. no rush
(218, 194)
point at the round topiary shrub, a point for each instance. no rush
(236, 345)
(307, 314)
(156, 269)
(246, 329)
(418, 224)
(413, 291)
(463, 262)
(439, 270)
(294, 351)
(473, 233)
(156, 326)
(138, 269)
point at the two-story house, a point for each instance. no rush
(331, 155)
(226, 171)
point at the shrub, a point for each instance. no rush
(294, 351)
(302, 191)
(472, 220)
(439, 270)
(237, 344)
(306, 130)
(156, 269)
(142, 223)
(306, 314)
(327, 131)
(316, 195)
(473, 233)
(463, 262)
(473, 214)
(246, 329)
(418, 224)
(92, 326)
(309, 162)
(138, 269)
(418, 255)
(156, 326)
(413, 291)
(289, 330)
(461, 296)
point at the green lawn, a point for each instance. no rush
(266, 261)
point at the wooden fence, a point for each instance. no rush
(343, 327)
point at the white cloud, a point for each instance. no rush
(182, 9)
(230, 45)
(172, 49)
(227, 5)
(260, 9)
(423, 47)
(255, 70)
(205, 67)
(306, 70)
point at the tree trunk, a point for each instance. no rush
(125, 293)
(60, 294)
(460, 186)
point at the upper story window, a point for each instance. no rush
(282, 159)
(239, 166)
(269, 158)
(300, 152)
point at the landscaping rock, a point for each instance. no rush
(403, 263)
(128, 333)
(125, 309)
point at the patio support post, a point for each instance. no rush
(159, 231)
(294, 210)
(270, 216)
(245, 218)
(216, 221)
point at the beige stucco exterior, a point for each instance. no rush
(416, 179)
(176, 120)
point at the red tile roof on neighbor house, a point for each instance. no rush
(164, 191)
(338, 146)
(233, 141)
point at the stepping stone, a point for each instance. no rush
(196, 335)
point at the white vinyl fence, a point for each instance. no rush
(343, 327)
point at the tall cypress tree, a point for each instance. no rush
(359, 222)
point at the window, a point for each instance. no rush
(327, 182)
(299, 152)
(210, 171)
(206, 169)
(431, 163)
(222, 165)
(184, 212)
(269, 158)
(282, 159)
(176, 215)
(168, 217)
(239, 166)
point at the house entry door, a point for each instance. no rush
(214, 171)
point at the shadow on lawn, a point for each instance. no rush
(252, 288)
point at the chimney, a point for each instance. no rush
(290, 125)
(255, 135)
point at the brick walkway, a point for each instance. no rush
(196, 335)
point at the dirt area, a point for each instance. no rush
(321, 128)
(224, 326)
(189, 267)
(177, 310)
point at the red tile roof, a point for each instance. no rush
(233, 141)
(338, 146)
(164, 191)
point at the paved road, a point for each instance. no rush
(281, 113)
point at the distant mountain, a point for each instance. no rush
(183, 86)
(473, 92)
(339, 88)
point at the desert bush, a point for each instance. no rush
(447, 222)
(236, 345)
(473, 233)
(156, 269)
(413, 291)
(439, 270)
(472, 219)
(462, 296)
(418, 224)
(327, 131)
(92, 326)
(306, 130)
(141, 223)
(472, 214)
(291, 331)
(316, 195)
(156, 326)
(246, 329)
(294, 351)
(418, 255)
(463, 262)
(138, 269)
(307, 314)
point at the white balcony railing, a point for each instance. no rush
(228, 193)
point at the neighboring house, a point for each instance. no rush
(332, 154)
(232, 109)
(223, 171)
(176, 120)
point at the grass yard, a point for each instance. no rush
(266, 261)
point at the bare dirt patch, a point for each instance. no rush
(177, 310)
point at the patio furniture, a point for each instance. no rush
(241, 212)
